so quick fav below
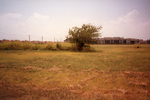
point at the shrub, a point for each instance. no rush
(26, 46)
(36, 47)
(48, 47)
(14, 46)
(58, 46)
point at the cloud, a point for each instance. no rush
(35, 25)
(130, 25)
(43, 25)
(10, 16)
(9, 22)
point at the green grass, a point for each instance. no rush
(111, 72)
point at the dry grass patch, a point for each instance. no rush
(31, 68)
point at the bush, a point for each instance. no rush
(49, 47)
(14, 46)
(26, 46)
(58, 46)
(36, 47)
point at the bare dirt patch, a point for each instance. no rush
(75, 88)
(137, 78)
(136, 83)
(31, 68)
(10, 91)
(56, 68)
(4, 66)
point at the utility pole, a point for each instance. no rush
(60, 39)
(29, 37)
(42, 38)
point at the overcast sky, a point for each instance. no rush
(53, 18)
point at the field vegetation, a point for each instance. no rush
(112, 72)
(16, 45)
(52, 46)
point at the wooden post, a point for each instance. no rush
(29, 37)
(42, 38)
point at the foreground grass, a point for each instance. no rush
(112, 72)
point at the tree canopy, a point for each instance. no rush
(84, 35)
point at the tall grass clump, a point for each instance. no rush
(36, 47)
(66, 46)
(48, 47)
(26, 46)
(88, 48)
(11, 45)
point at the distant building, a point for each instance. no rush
(148, 41)
(119, 40)
(66, 40)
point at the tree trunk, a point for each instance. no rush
(80, 46)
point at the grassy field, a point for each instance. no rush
(113, 72)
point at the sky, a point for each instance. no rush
(52, 19)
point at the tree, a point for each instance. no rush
(84, 35)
